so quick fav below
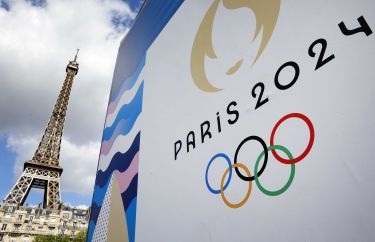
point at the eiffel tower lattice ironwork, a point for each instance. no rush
(44, 170)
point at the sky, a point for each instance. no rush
(38, 38)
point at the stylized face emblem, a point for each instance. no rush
(266, 14)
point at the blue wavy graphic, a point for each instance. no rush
(97, 202)
(130, 193)
(130, 81)
(131, 57)
(131, 219)
(120, 161)
(129, 113)
(90, 232)
(95, 210)
(99, 193)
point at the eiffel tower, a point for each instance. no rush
(44, 170)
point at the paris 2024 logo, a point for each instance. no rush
(266, 14)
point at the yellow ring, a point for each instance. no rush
(240, 204)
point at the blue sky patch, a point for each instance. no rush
(134, 4)
(4, 4)
(38, 3)
(7, 160)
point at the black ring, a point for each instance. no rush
(253, 137)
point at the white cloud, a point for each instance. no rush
(36, 44)
(79, 164)
(24, 147)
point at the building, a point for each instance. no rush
(21, 224)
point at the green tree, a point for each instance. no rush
(80, 237)
(51, 238)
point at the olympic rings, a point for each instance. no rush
(265, 157)
(241, 203)
(309, 146)
(292, 172)
(291, 161)
(230, 172)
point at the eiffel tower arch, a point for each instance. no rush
(43, 170)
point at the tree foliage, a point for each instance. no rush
(51, 238)
(80, 237)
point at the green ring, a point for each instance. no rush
(292, 172)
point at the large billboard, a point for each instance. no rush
(240, 120)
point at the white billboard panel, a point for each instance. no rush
(241, 120)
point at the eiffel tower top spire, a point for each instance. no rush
(75, 58)
(48, 151)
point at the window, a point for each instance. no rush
(10, 209)
(28, 228)
(51, 229)
(31, 219)
(1, 237)
(4, 227)
(17, 227)
(20, 217)
(26, 239)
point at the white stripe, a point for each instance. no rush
(121, 144)
(126, 98)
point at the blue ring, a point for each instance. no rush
(230, 172)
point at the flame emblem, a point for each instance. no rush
(266, 14)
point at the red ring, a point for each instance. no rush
(309, 146)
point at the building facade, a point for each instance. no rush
(23, 223)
